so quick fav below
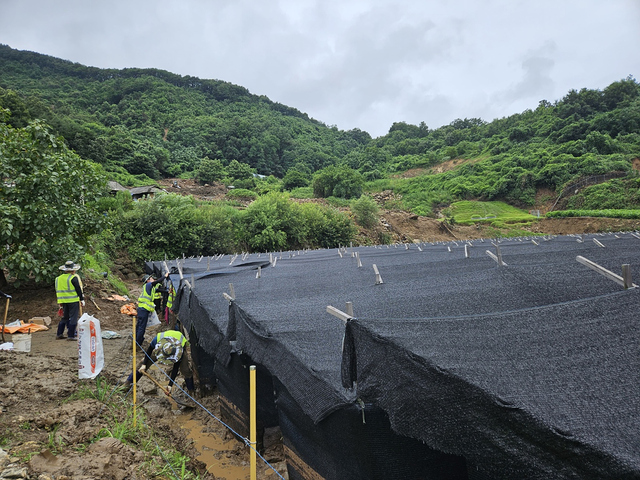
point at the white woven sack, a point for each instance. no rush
(90, 351)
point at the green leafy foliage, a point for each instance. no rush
(365, 210)
(143, 124)
(157, 123)
(295, 179)
(468, 212)
(343, 182)
(174, 225)
(633, 214)
(210, 171)
(47, 202)
(611, 195)
(241, 193)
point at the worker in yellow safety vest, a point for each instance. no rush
(168, 348)
(146, 305)
(70, 295)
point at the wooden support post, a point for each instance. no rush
(208, 263)
(608, 273)
(338, 313)
(598, 243)
(495, 258)
(626, 276)
(349, 309)
(259, 272)
(275, 260)
(498, 255)
(534, 242)
(179, 268)
(466, 251)
(358, 258)
(378, 277)
(232, 292)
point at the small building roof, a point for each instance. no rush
(145, 189)
(116, 187)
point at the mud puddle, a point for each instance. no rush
(218, 454)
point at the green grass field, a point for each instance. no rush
(469, 212)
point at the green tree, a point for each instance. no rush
(239, 171)
(46, 202)
(365, 210)
(272, 223)
(210, 171)
(294, 179)
(342, 182)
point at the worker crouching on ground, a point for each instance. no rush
(166, 349)
(146, 305)
(69, 295)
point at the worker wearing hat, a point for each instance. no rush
(146, 305)
(168, 349)
(70, 295)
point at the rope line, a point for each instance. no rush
(244, 439)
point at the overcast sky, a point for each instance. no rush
(352, 63)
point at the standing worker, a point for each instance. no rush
(70, 296)
(166, 349)
(146, 305)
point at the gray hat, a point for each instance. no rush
(69, 266)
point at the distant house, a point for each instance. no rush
(138, 193)
(115, 187)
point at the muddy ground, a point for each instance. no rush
(46, 434)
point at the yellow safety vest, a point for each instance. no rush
(174, 334)
(172, 296)
(65, 291)
(146, 301)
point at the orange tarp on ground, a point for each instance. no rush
(129, 309)
(24, 328)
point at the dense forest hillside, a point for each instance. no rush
(151, 124)
(62, 123)
(157, 123)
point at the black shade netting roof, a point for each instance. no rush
(279, 319)
(546, 392)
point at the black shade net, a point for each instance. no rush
(524, 370)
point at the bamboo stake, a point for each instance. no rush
(134, 371)
(252, 420)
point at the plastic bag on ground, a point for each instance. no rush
(153, 319)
